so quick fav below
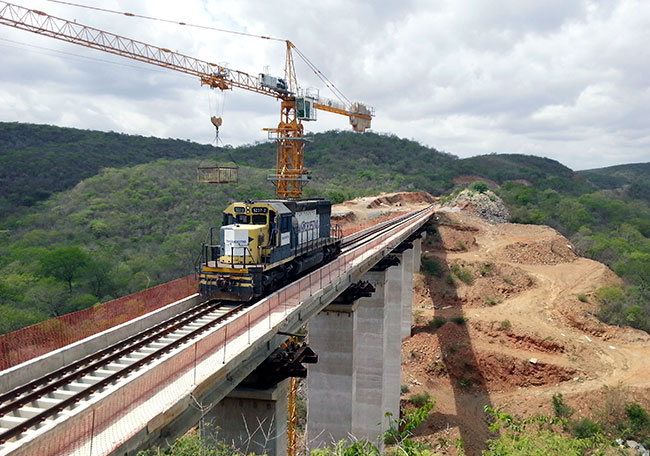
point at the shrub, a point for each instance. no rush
(465, 383)
(431, 267)
(437, 322)
(479, 186)
(420, 399)
(582, 297)
(404, 389)
(505, 325)
(639, 420)
(462, 273)
(585, 428)
(492, 301)
(485, 269)
(560, 409)
(537, 436)
(461, 245)
(458, 319)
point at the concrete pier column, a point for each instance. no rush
(252, 420)
(417, 254)
(392, 342)
(331, 383)
(407, 292)
(369, 360)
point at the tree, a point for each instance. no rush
(64, 264)
(49, 296)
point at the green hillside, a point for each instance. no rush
(37, 161)
(631, 179)
(128, 227)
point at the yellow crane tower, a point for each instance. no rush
(297, 105)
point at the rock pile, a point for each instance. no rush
(485, 205)
(548, 251)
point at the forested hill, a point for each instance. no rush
(632, 179)
(37, 161)
(128, 227)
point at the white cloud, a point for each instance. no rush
(566, 80)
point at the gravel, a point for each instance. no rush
(487, 205)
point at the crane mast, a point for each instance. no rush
(290, 174)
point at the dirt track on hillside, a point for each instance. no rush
(527, 335)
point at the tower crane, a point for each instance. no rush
(297, 105)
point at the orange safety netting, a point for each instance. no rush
(24, 344)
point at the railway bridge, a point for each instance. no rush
(148, 381)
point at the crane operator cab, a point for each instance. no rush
(264, 243)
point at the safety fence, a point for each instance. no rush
(130, 407)
(24, 344)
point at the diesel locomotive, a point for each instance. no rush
(262, 244)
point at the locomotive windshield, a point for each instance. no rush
(259, 219)
(229, 219)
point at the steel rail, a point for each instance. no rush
(17, 392)
(59, 407)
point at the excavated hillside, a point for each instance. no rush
(506, 319)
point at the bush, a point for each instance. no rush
(624, 306)
(538, 435)
(462, 273)
(560, 409)
(582, 297)
(431, 267)
(585, 428)
(479, 186)
(403, 389)
(505, 325)
(485, 269)
(492, 301)
(437, 322)
(638, 416)
(458, 319)
(420, 399)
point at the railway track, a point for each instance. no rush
(355, 240)
(29, 407)
(35, 404)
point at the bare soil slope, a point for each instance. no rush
(526, 337)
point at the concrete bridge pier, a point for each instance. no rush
(357, 378)
(251, 420)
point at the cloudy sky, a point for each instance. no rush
(565, 79)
